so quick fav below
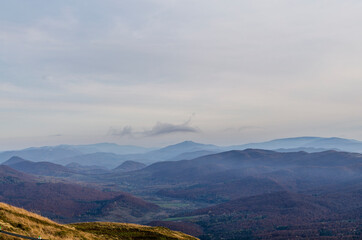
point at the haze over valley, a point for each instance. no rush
(180, 119)
(298, 188)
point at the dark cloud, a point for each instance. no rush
(167, 128)
(159, 129)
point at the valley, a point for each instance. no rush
(233, 194)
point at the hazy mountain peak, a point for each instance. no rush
(188, 145)
(14, 160)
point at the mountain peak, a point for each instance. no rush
(14, 160)
(188, 142)
(188, 146)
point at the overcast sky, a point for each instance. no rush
(156, 72)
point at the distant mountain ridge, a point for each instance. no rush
(95, 154)
(54, 153)
(175, 150)
(333, 143)
(104, 159)
(109, 147)
(212, 195)
(112, 155)
(38, 168)
(238, 162)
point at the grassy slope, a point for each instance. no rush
(20, 221)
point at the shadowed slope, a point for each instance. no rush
(38, 168)
(67, 202)
(128, 166)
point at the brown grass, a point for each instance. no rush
(20, 221)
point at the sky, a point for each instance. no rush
(157, 72)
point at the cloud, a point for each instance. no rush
(233, 62)
(167, 128)
(158, 129)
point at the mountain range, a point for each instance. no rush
(333, 143)
(208, 191)
(256, 194)
(112, 155)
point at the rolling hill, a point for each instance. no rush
(20, 221)
(101, 159)
(233, 165)
(223, 190)
(261, 194)
(280, 215)
(68, 202)
(128, 166)
(38, 168)
(87, 169)
(237, 194)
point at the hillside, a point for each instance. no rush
(25, 223)
(109, 160)
(11, 176)
(87, 169)
(69, 202)
(234, 165)
(191, 155)
(245, 194)
(129, 166)
(38, 168)
(223, 190)
(280, 215)
(255, 193)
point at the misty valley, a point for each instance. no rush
(293, 188)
